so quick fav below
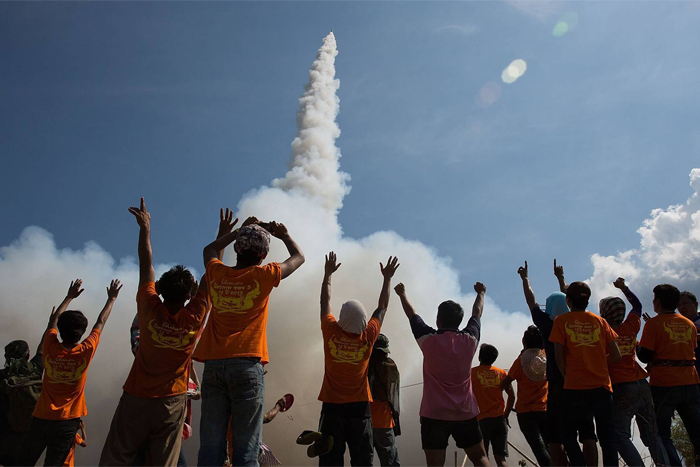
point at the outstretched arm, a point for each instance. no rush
(559, 273)
(478, 308)
(331, 266)
(527, 289)
(296, 256)
(74, 291)
(143, 219)
(226, 224)
(226, 236)
(388, 271)
(632, 298)
(112, 294)
(400, 290)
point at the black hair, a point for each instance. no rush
(532, 338)
(487, 354)
(450, 314)
(249, 257)
(72, 325)
(579, 293)
(668, 295)
(690, 296)
(176, 284)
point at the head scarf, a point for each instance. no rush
(534, 363)
(612, 309)
(16, 350)
(353, 317)
(556, 305)
(252, 238)
(382, 344)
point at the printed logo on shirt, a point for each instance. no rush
(233, 296)
(627, 345)
(582, 333)
(344, 350)
(489, 379)
(64, 370)
(171, 337)
(679, 332)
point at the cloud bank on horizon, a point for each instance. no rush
(35, 274)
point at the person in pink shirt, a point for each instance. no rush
(448, 407)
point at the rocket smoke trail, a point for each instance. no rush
(315, 166)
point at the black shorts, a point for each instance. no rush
(435, 434)
(495, 433)
(586, 427)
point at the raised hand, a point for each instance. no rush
(251, 220)
(479, 288)
(226, 222)
(392, 265)
(522, 271)
(143, 217)
(558, 270)
(113, 290)
(332, 264)
(277, 229)
(400, 289)
(620, 283)
(74, 290)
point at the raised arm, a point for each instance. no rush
(527, 289)
(478, 308)
(632, 298)
(112, 294)
(225, 236)
(226, 225)
(143, 219)
(388, 271)
(74, 291)
(559, 273)
(296, 256)
(400, 290)
(331, 266)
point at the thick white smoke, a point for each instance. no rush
(36, 273)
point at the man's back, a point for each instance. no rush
(672, 338)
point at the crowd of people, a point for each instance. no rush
(578, 380)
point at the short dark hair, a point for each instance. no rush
(532, 338)
(579, 293)
(249, 257)
(689, 295)
(450, 314)
(72, 325)
(176, 284)
(668, 295)
(487, 354)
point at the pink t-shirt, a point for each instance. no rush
(447, 363)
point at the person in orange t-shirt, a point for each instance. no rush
(233, 345)
(153, 406)
(486, 383)
(384, 383)
(80, 440)
(668, 345)
(584, 344)
(528, 371)
(61, 405)
(345, 393)
(631, 393)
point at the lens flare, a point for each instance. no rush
(566, 23)
(514, 71)
(488, 94)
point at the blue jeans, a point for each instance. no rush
(233, 392)
(685, 400)
(633, 399)
(385, 445)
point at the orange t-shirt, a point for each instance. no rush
(162, 361)
(346, 362)
(65, 372)
(70, 459)
(486, 384)
(627, 369)
(237, 325)
(585, 337)
(671, 337)
(381, 415)
(532, 395)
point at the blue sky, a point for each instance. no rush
(192, 104)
